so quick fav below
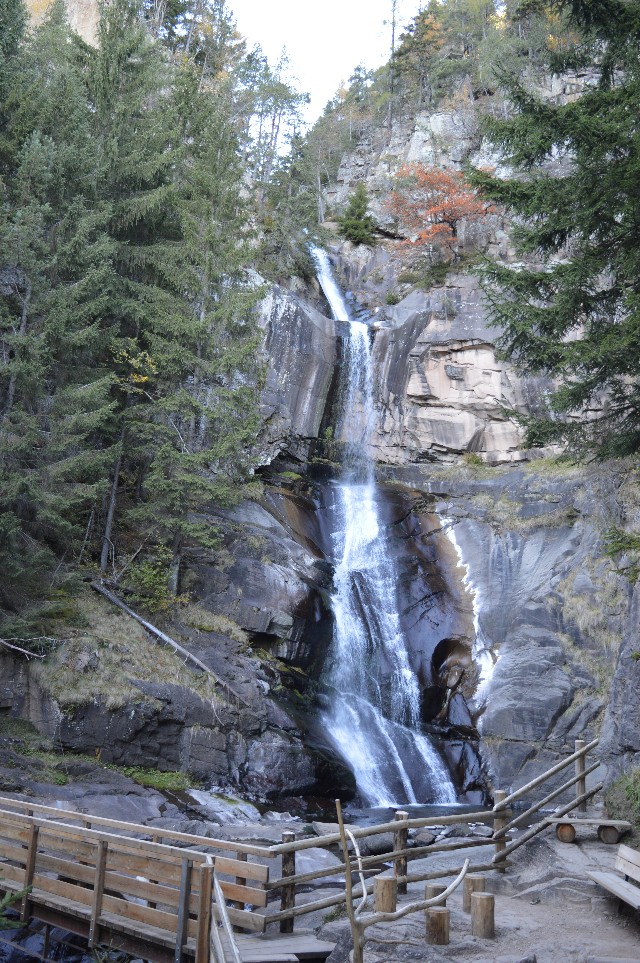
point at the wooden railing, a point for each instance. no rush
(121, 879)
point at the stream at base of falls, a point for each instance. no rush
(372, 718)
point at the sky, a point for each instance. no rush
(324, 41)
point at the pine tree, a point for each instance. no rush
(55, 262)
(355, 224)
(574, 311)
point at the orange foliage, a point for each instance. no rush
(430, 202)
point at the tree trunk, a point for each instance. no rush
(111, 511)
(13, 380)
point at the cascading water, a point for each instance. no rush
(373, 720)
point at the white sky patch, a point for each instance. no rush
(324, 42)
(482, 652)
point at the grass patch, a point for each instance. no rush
(622, 800)
(198, 618)
(599, 616)
(100, 662)
(338, 913)
(27, 742)
(171, 781)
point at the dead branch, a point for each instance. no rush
(167, 640)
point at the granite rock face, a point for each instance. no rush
(299, 349)
(620, 737)
(548, 607)
(441, 390)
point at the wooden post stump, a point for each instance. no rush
(288, 897)
(438, 926)
(400, 838)
(432, 890)
(499, 822)
(566, 833)
(473, 883)
(385, 893)
(483, 915)
(581, 785)
(608, 834)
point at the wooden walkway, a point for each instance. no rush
(167, 896)
(149, 899)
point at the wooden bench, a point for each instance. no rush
(624, 882)
(609, 830)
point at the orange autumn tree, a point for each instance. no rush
(429, 204)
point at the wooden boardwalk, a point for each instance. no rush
(167, 896)
(149, 899)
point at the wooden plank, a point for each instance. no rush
(627, 868)
(301, 946)
(138, 928)
(246, 870)
(61, 831)
(66, 867)
(244, 894)
(117, 906)
(631, 855)
(619, 887)
(15, 854)
(139, 865)
(58, 887)
(60, 815)
(60, 902)
(11, 877)
(114, 881)
(255, 922)
(17, 833)
(579, 821)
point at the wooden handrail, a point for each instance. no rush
(519, 793)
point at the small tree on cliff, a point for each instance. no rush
(355, 223)
(430, 203)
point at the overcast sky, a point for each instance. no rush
(324, 41)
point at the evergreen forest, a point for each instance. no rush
(153, 184)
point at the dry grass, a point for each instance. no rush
(596, 615)
(202, 620)
(98, 662)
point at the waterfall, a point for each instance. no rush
(373, 720)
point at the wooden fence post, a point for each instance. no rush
(400, 838)
(98, 890)
(581, 785)
(183, 909)
(204, 914)
(29, 870)
(288, 897)
(499, 822)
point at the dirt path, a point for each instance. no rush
(546, 910)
